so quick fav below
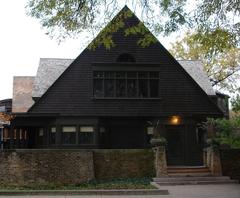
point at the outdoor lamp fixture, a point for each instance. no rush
(175, 120)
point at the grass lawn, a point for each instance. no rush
(142, 183)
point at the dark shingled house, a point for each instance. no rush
(108, 98)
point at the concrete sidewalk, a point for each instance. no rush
(183, 191)
(203, 191)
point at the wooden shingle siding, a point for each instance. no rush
(72, 93)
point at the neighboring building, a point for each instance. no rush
(5, 111)
(108, 98)
(6, 106)
(223, 103)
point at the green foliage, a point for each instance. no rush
(69, 18)
(217, 50)
(227, 131)
(133, 183)
(214, 143)
(105, 36)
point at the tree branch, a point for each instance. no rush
(215, 82)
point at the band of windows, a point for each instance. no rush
(111, 84)
(68, 135)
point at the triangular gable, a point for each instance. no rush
(71, 92)
(128, 23)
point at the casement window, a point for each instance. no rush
(69, 134)
(41, 132)
(6, 135)
(121, 84)
(53, 131)
(86, 135)
(102, 130)
(40, 137)
(98, 84)
(223, 104)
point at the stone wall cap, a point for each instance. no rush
(85, 192)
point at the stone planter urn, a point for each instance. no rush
(155, 142)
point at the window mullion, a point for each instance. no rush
(115, 86)
(158, 93)
(126, 85)
(137, 86)
(103, 84)
(148, 84)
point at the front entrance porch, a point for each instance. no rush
(185, 145)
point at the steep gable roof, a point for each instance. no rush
(48, 71)
(195, 69)
(71, 93)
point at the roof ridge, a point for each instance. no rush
(57, 58)
(23, 76)
(189, 60)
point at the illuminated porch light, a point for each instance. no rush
(175, 120)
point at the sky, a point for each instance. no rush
(23, 42)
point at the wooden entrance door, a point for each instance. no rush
(184, 145)
(175, 145)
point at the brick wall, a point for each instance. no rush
(26, 167)
(230, 159)
(134, 163)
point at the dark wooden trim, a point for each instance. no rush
(119, 98)
(126, 64)
(120, 68)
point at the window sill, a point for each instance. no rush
(80, 146)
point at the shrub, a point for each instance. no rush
(227, 131)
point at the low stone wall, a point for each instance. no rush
(134, 163)
(230, 159)
(26, 167)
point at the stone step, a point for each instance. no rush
(187, 170)
(190, 174)
(207, 178)
(172, 183)
(186, 167)
(190, 171)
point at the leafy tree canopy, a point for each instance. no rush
(218, 52)
(69, 18)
